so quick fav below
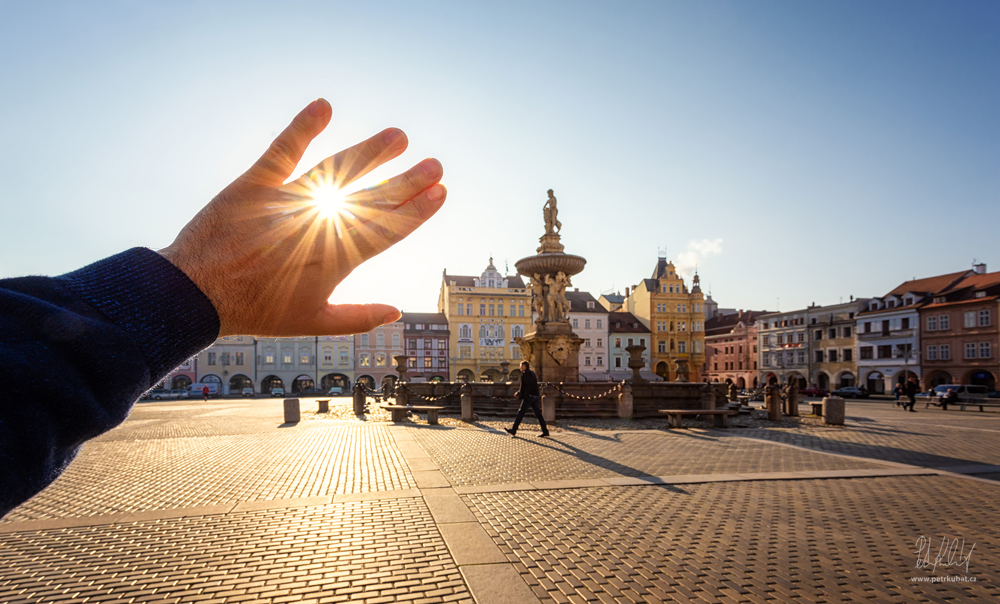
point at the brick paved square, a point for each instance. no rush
(823, 540)
(380, 551)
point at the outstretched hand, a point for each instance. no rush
(268, 254)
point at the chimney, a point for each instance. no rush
(576, 289)
(626, 292)
(979, 267)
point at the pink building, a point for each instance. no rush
(731, 349)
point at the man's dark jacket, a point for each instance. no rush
(529, 385)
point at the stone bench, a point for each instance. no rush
(817, 408)
(979, 402)
(718, 415)
(399, 412)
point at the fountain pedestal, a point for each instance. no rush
(554, 352)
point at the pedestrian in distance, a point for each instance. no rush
(204, 392)
(530, 397)
(897, 391)
(910, 390)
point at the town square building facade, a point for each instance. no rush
(428, 346)
(484, 314)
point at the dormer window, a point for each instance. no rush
(939, 300)
(874, 306)
(980, 294)
(907, 301)
(590, 304)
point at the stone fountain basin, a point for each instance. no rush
(550, 264)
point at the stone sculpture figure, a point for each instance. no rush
(550, 212)
(538, 297)
(562, 282)
(554, 307)
(733, 392)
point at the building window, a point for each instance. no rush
(932, 353)
(818, 356)
(600, 324)
(586, 323)
(380, 340)
(411, 362)
(287, 358)
(380, 359)
(831, 356)
(984, 350)
(411, 344)
(461, 309)
(576, 323)
(661, 346)
(468, 309)
(833, 333)
(482, 310)
(211, 358)
(269, 358)
(586, 342)
(491, 310)
(600, 342)
(586, 361)
(801, 336)
(781, 339)
(499, 310)
(520, 310)
(944, 351)
(816, 336)
(944, 322)
(847, 331)
(970, 318)
(984, 318)
(364, 360)
(428, 362)
(327, 356)
(970, 350)
(395, 340)
(885, 352)
(512, 311)
(931, 323)
(364, 339)
(682, 346)
(343, 355)
(442, 344)
(848, 354)
(304, 359)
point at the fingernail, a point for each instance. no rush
(392, 136)
(316, 108)
(436, 193)
(391, 317)
(431, 167)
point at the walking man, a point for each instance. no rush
(910, 390)
(204, 392)
(529, 395)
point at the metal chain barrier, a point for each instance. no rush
(431, 399)
(585, 398)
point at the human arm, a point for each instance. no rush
(76, 351)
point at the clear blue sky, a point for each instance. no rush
(807, 151)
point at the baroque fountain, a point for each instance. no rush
(552, 347)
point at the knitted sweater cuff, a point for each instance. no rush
(142, 292)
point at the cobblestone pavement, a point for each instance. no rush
(220, 502)
(808, 541)
(162, 470)
(478, 457)
(367, 552)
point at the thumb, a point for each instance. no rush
(285, 152)
(342, 319)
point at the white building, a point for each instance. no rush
(589, 320)
(783, 347)
(624, 330)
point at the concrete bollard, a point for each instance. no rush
(773, 401)
(292, 414)
(834, 410)
(549, 403)
(793, 401)
(359, 399)
(624, 400)
(466, 398)
(324, 406)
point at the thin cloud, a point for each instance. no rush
(697, 252)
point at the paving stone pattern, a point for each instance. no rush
(477, 457)
(927, 444)
(117, 476)
(368, 552)
(781, 541)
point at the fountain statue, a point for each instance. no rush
(551, 347)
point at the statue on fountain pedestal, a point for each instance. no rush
(551, 213)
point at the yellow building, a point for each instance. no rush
(485, 314)
(676, 317)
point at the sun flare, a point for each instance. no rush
(328, 200)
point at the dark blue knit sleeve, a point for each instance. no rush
(77, 351)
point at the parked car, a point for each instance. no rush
(157, 394)
(277, 391)
(812, 391)
(336, 391)
(311, 392)
(246, 392)
(850, 392)
(965, 392)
